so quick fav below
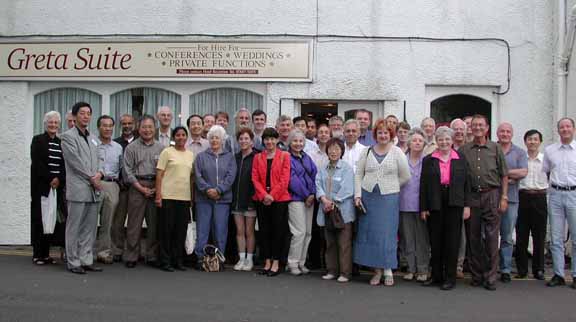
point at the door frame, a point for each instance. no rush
(434, 92)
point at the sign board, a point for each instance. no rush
(157, 61)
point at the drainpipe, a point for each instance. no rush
(565, 47)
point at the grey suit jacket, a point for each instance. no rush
(81, 161)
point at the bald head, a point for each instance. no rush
(459, 128)
(505, 133)
(164, 116)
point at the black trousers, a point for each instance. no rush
(317, 244)
(532, 218)
(173, 220)
(445, 232)
(41, 242)
(274, 231)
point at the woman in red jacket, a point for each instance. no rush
(271, 175)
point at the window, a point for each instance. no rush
(62, 100)
(144, 100)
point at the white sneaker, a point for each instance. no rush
(240, 265)
(408, 276)
(343, 279)
(248, 264)
(304, 269)
(294, 270)
(328, 277)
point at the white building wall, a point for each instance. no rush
(391, 71)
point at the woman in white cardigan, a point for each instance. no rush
(381, 170)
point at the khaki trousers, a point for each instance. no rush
(110, 192)
(140, 208)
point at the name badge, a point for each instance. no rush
(337, 179)
(94, 142)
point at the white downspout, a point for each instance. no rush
(565, 47)
(562, 63)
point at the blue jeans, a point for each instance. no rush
(561, 209)
(507, 225)
(211, 216)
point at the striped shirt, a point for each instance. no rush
(55, 158)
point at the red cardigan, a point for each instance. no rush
(279, 176)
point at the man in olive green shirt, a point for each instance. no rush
(488, 200)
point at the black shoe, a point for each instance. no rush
(180, 267)
(263, 271)
(505, 278)
(92, 268)
(272, 273)
(167, 268)
(117, 258)
(431, 282)
(475, 283)
(490, 286)
(153, 263)
(77, 270)
(556, 281)
(539, 275)
(521, 276)
(447, 286)
(130, 264)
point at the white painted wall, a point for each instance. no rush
(363, 71)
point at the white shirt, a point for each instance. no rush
(536, 178)
(560, 162)
(351, 155)
(310, 147)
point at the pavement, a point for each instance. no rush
(49, 293)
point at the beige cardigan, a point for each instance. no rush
(389, 175)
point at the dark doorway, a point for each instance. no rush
(446, 108)
(320, 111)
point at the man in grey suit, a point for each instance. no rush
(82, 191)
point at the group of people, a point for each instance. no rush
(385, 194)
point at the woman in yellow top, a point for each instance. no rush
(173, 196)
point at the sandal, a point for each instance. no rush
(375, 280)
(38, 261)
(388, 280)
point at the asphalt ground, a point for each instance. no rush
(49, 293)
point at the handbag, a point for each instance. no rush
(334, 220)
(213, 260)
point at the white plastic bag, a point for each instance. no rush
(190, 238)
(49, 211)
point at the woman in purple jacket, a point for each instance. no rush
(214, 174)
(302, 189)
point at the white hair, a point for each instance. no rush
(444, 131)
(352, 121)
(427, 119)
(416, 131)
(216, 130)
(454, 121)
(294, 134)
(242, 109)
(51, 115)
